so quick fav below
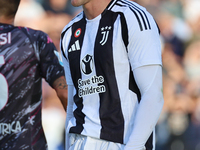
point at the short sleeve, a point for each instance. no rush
(50, 67)
(144, 47)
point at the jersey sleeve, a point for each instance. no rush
(50, 67)
(144, 45)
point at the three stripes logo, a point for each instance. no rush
(140, 14)
(75, 47)
(105, 31)
(141, 17)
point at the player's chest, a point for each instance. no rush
(96, 40)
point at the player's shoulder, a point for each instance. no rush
(73, 21)
(34, 34)
(135, 14)
(126, 6)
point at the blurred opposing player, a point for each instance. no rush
(26, 56)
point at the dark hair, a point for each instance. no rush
(8, 8)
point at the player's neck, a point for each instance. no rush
(6, 20)
(95, 8)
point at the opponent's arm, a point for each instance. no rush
(149, 81)
(50, 67)
(60, 87)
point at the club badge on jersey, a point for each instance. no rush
(105, 31)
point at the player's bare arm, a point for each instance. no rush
(60, 87)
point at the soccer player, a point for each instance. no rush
(112, 59)
(26, 56)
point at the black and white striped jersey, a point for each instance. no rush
(99, 57)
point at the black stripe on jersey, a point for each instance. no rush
(112, 120)
(157, 27)
(149, 143)
(142, 14)
(136, 7)
(74, 63)
(62, 35)
(133, 86)
(124, 29)
(111, 4)
(138, 19)
(119, 4)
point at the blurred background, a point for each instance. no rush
(179, 21)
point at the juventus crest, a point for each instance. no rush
(105, 32)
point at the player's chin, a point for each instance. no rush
(75, 3)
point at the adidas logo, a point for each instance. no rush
(75, 47)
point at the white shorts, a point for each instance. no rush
(80, 142)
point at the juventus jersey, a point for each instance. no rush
(99, 57)
(26, 56)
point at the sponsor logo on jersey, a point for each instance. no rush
(90, 86)
(87, 64)
(5, 38)
(105, 32)
(77, 32)
(75, 47)
(8, 128)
